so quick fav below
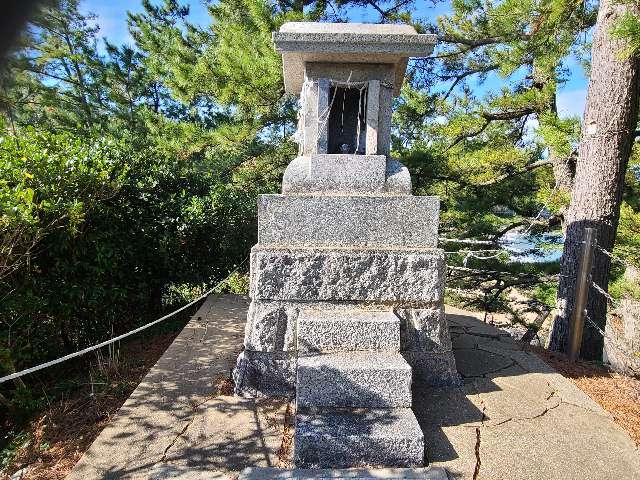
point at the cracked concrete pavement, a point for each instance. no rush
(514, 417)
(174, 426)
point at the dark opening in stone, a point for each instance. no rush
(347, 123)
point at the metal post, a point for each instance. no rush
(583, 283)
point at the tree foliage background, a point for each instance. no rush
(129, 173)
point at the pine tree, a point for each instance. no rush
(607, 135)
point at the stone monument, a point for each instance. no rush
(347, 281)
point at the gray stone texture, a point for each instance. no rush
(342, 439)
(354, 379)
(369, 275)
(346, 277)
(424, 336)
(307, 42)
(348, 220)
(372, 117)
(271, 327)
(346, 174)
(347, 330)
(432, 369)
(265, 374)
(335, 174)
(398, 179)
(424, 329)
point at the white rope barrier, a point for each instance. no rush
(600, 290)
(119, 337)
(466, 240)
(614, 258)
(613, 343)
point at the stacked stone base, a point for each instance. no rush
(348, 331)
(353, 392)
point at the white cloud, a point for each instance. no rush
(571, 102)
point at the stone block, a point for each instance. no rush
(398, 179)
(342, 439)
(310, 42)
(348, 220)
(324, 274)
(270, 327)
(424, 329)
(433, 369)
(335, 173)
(264, 374)
(348, 330)
(356, 379)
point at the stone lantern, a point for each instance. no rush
(347, 281)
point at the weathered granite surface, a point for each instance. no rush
(335, 174)
(432, 369)
(359, 438)
(306, 42)
(265, 374)
(271, 326)
(346, 235)
(348, 220)
(353, 379)
(398, 178)
(347, 330)
(332, 274)
(424, 329)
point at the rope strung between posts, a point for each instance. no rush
(464, 251)
(613, 257)
(599, 289)
(612, 342)
(466, 240)
(124, 335)
(492, 272)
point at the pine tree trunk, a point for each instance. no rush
(563, 172)
(607, 135)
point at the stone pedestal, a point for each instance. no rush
(347, 281)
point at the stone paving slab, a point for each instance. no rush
(173, 426)
(433, 473)
(524, 420)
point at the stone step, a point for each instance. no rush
(341, 330)
(356, 438)
(272, 473)
(355, 379)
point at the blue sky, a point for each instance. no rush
(112, 19)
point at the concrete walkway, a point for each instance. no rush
(515, 417)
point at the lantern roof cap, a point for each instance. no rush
(302, 42)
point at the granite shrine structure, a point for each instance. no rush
(347, 281)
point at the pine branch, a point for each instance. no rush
(469, 42)
(458, 78)
(527, 168)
